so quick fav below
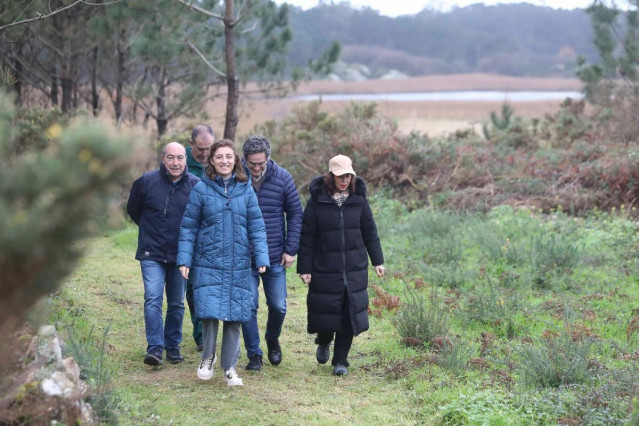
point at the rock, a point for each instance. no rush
(48, 389)
(49, 347)
(58, 384)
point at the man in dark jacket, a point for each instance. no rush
(282, 212)
(197, 155)
(156, 204)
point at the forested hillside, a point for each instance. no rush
(516, 39)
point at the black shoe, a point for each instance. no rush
(173, 356)
(274, 351)
(200, 347)
(255, 363)
(153, 358)
(323, 353)
(340, 370)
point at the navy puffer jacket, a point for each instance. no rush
(280, 203)
(156, 205)
(218, 227)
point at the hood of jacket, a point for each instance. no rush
(317, 188)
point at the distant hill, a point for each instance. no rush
(516, 39)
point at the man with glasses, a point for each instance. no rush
(156, 204)
(282, 212)
(197, 155)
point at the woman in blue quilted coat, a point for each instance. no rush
(221, 223)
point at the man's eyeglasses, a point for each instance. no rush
(253, 165)
(171, 158)
(202, 150)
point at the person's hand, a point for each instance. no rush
(184, 270)
(379, 270)
(306, 278)
(287, 260)
(261, 269)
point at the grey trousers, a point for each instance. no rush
(230, 352)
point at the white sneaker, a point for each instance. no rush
(232, 379)
(205, 371)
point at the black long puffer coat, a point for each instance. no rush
(334, 248)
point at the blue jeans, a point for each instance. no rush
(157, 278)
(274, 282)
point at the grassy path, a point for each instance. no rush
(106, 292)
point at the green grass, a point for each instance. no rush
(106, 291)
(578, 277)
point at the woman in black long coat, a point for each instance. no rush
(338, 236)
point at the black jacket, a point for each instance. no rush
(334, 248)
(156, 205)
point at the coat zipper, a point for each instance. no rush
(341, 224)
(232, 252)
(166, 208)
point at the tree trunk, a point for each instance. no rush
(95, 97)
(119, 82)
(162, 124)
(68, 67)
(160, 103)
(55, 101)
(232, 81)
(17, 64)
(66, 84)
(76, 96)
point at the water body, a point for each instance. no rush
(468, 95)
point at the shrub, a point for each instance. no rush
(95, 371)
(559, 359)
(488, 407)
(550, 255)
(490, 304)
(454, 357)
(420, 323)
(591, 404)
(436, 236)
(306, 140)
(568, 159)
(52, 195)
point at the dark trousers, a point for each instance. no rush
(197, 324)
(343, 339)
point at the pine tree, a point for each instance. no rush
(56, 184)
(617, 44)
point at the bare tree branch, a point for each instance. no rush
(40, 16)
(206, 61)
(201, 10)
(248, 30)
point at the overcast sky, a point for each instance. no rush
(410, 7)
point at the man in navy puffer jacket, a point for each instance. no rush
(282, 212)
(156, 204)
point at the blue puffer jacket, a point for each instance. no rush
(156, 205)
(218, 228)
(278, 200)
